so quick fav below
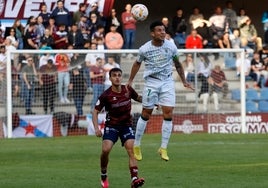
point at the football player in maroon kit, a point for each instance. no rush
(116, 101)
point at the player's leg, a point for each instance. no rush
(166, 131)
(110, 137)
(149, 100)
(167, 102)
(104, 159)
(128, 142)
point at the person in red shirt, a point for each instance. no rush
(129, 25)
(63, 62)
(97, 75)
(117, 103)
(193, 41)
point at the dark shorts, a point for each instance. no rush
(122, 132)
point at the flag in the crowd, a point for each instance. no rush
(101, 121)
(34, 126)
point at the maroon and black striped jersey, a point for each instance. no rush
(117, 106)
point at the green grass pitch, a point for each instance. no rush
(196, 161)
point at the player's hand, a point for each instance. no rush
(188, 85)
(128, 84)
(98, 133)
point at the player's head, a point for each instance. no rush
(115, 70)
(157, 29)
(115, 76)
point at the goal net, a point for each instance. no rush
(52, 89)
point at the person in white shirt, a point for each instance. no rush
(107, 67)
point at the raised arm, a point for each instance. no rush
(180, 71)
(135, 68)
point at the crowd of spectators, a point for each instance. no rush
(87, 28)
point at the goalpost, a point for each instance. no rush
(188, 103)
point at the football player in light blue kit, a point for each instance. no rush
(158, 56)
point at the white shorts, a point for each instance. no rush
(158, 92)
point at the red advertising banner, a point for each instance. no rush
(212, 123)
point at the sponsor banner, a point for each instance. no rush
(255, 123)
(23, 9)
(212, 123)
(34, 126)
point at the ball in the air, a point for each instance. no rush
(139, 12)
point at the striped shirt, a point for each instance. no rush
(158, 60)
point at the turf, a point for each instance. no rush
(196, 161)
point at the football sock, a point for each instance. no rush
(133, 172)
(141, 125)
(166, 132)
(103, 174)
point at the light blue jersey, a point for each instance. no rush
(158, 60)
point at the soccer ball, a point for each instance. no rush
(139, 12)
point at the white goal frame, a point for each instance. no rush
(194, 51)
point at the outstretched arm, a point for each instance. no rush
(135, 68)
(180, 71)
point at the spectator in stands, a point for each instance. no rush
(248, 34)
(52, 26)
(218, 21)
(19, 30)
(78, 87)
(203, 30)
(62, 62)
(193, 41)
(107, 67)
(40, 30)
(48, 39)
(195, 15)
(75, 37)
(168, 26)
(30, 38)
(12, 37)
(83, 26)
(61, 38)
(204, 67)
(44, 57)
(113, 20)
(97, 75)
(235, 39)
(10, 47)
(79, 13)
(241, 16)
(218, 82)
(247, 67)
(258, 67)
(189, 67)
(30, 20)
(47, 79)
(45, 14)
(98, 35)
(94, 22)
(231, 17)
(29, 73)
(62, 15)
(129, 26)
(224, 41)
(179, 27)
(114, 41)
(95, 10)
